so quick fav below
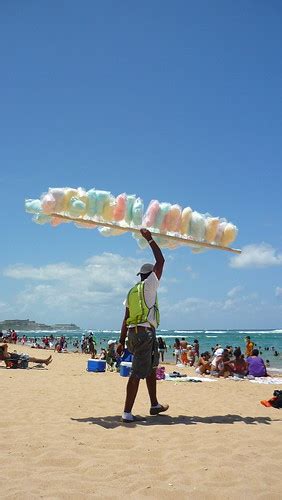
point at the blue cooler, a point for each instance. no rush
(125, 368)
(96, 365)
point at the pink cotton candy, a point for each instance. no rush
(56, 221)
(48, 203)
(172, 219)
(119, 210)
(151, 214)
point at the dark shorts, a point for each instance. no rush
(144, 347)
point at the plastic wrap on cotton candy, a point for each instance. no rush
(220, 231)
(119, 211)
(76, 207)
(212, 224)
(185, 220)
(172, 219)
(151, 214)
(33, 206)
(91, 202)
(131, 198)
(108, 210)
(69, 193)
(197, 226)
(102, 197)
(41, 218)
(142, 243)
(229, 234)
(163, 210)
(137, 212)
(109, 231)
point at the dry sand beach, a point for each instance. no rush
(62, 437)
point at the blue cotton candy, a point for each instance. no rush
(131, 198)
(164, 209)
(33, 206)
(142, 243)
(76, 207)
(91, 202)
(137, 212)
(102, 197)
(197, 226)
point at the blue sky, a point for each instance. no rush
(175, 101)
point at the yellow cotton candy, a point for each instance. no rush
(211, 229)
(185, 220)
(108, 209)
(229, 234)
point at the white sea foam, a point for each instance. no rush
(211, 336)
(276, 331)
(215, 331)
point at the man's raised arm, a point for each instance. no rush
(158, 268)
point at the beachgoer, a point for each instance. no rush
(196, 348)
(111, 354)
(140, 322)
(256, 366)
(91, 347)
(239, 366)
(15, 360)
(162, 347)
(203, 364)
(177, 350)
(190, 355)
(219, 364)
(249, 346)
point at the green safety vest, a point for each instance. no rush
(138, 309)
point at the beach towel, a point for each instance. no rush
(189, 379)
(267, 380)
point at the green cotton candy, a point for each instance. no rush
(197, 226)
(137, 212)
(33, 206)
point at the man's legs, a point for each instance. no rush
(131, 392)
(41, 361)
(151, 382)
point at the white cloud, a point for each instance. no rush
(234, 291)
(278, 291)
(262, 255)
(101, 282)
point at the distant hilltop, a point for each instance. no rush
(26, 324)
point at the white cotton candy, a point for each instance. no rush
(60, 200)
(197, 226)
(137, 212)
(41, 218)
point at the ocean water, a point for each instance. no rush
(207, 339)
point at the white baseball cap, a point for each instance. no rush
(146, 268)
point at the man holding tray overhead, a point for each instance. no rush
(140, 322)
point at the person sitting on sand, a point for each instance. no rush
(256, 366)
(239, 366)
(219, 364)
(203, 365)
(15, 360)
